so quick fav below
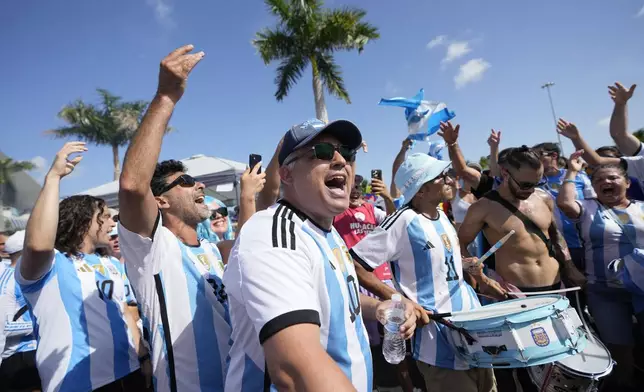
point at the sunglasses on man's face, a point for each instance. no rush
(526, 186)
(326, 152)
(223, 211)
(115, 218)
(184, 180)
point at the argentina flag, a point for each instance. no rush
(436, 150)
(423, 117)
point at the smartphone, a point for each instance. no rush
(377, 174)
(254, 159)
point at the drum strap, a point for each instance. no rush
(530, 226)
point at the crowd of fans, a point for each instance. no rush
(167, 294)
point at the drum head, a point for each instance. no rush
(594, 360)
(505, 308)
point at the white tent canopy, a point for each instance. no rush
(221, 177)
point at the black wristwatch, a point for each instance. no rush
(144, 358)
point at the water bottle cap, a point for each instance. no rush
(396, 298)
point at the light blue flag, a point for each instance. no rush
(436, 150)
(423, 117)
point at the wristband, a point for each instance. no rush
(568, 181)
(144, 358)
(452, 144)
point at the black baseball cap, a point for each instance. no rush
(299, 135)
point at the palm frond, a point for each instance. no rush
(343, 29)
(288, 73)
(331, 75)
(279, 8)
(109, 101)
(274, 44)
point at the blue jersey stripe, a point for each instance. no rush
(358, 324)
(422, 268)
(597, 244)
(253, 377)
(205, 335)
(78, 375)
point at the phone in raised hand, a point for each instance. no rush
(254, 159)
(377, 174)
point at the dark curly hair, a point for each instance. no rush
(518, 157)
(75, 215)
(161, 173)
(609, 152)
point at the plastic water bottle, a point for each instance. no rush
(393, 347)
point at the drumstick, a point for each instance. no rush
(545, 292)
(494, 248)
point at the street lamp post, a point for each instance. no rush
(554, 116)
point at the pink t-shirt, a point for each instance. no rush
(355, 223)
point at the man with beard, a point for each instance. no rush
(532, 257)
(176, 275)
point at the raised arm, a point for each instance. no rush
(137, 203)
(569, 130)
(625, 141)
(40, 236)
(271, 192)
(450, 135)
(400, 158)
(252, 183)
(493, 141)
(566, 199)
(378, 188)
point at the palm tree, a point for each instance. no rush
(8, 166)
(639, 134)
(484, 162)
(308, 34)
(112, 123)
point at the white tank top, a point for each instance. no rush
(459, 208)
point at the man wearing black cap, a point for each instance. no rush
(295, 307)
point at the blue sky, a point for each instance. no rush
(55, 52)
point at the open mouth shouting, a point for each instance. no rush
(337, 184)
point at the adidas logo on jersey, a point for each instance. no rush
(428, 246)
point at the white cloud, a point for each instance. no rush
(471, 72)
(456, 50)
(640, 13)
(40, 168)
(39, 163)
(162, 11)
(604, 122)
(438, 40)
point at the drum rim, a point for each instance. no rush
(557, 298)
(606, 372)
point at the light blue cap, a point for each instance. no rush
(417, 170)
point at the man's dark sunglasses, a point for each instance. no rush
(326, 151)
(223, 211)
(184, 180)
(115, 218)
(526, 186)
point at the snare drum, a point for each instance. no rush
(579, 373)
(520, 333)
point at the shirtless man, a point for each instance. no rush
(525, 261)
(529, 259)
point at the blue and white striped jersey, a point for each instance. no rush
(184, 308)
(284, 270)
(584, 191)
(18, 327)
(604, 240)
(426, 263)
(78, 311)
